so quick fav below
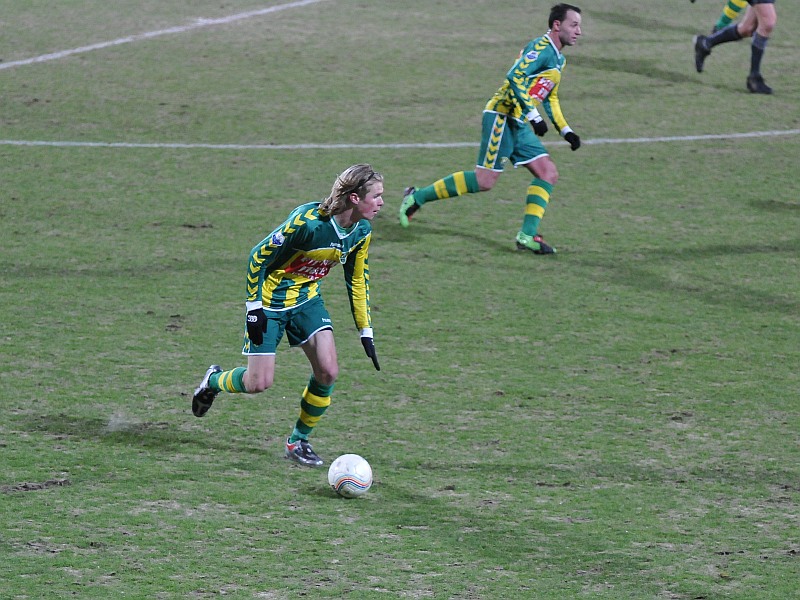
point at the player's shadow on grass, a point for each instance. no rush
(651, 70)
(158, 436)
(639, 23)
(638, 274)
(643, 68)
(775, 206)
(416, 234)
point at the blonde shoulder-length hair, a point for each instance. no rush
(354, 180)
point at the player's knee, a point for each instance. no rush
(544, 169)
(327, 375)
(765, 28)
(486, 179)
(550, 174)
(767, 20)
(746, 29)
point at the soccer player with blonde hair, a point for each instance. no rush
(283, 296)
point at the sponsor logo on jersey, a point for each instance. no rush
(532, 55)
(541, 88)
(277, 239)
(310, 268)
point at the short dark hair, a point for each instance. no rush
(559, 13)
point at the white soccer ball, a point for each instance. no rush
(350, 476)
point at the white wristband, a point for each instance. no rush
(366, 332)
(253, 305)
(534, 116)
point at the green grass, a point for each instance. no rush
(617, 421)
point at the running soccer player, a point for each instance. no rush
(511, 124)
(759, 20)
(283, 295)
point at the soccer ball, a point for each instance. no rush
(350, 476)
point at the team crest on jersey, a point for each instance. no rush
(532, 55)
(277, 239)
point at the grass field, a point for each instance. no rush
(617, 421)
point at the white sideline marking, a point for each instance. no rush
(197, 24)
(422, 145)
(695, 138)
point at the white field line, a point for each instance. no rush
(197, 24)
(421, 145)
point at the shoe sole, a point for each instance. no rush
(199, 406)
(699, 68)
(536, 252)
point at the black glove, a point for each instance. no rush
(369, 348)
(574, 140)
(256, 325)
(539, 127)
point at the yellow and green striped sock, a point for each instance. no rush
(228, 381)
(729, 13)
(536, 203)
(315, 401)
(462, 182)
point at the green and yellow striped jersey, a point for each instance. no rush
(285, 268)
(532, 81)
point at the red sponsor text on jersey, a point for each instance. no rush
(311, 268)
(541, 89)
